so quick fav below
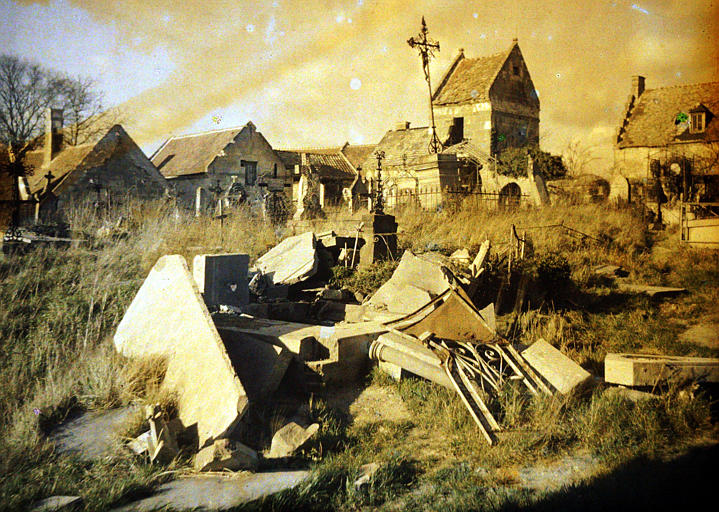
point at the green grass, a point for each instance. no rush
(59, 309)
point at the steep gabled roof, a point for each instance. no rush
(192, 154)
(652, 120)
(469, 80)
(69, 163)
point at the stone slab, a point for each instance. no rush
(57, 504)
(651, 291)
(291, 261)
(649, 370)
(413, 284)
(93, 435)
(168, 318)
(222, 278)
(216, 492)
(557, 369)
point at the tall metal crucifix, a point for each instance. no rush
(427, 47)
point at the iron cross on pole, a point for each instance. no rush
(427, 47)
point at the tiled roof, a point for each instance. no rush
(396, 144)
(328, 165)
(469, 79)
(358, 153)
(652, 120)
(192, 154)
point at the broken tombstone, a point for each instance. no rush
(651, 370)
(222, 279)
(210, 396)
(57, 504)
(293, 260)
(561, 372)
(366, 473)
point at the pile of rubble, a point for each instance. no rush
(231, 335)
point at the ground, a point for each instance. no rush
(61, 306)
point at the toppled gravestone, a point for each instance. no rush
(559, 370)
(293, 260)
(168, 318)
(222, 278)
(414, 283)
(291, 438)
(225, 454)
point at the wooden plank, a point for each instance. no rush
(649, 370)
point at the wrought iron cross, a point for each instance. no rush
(379, 199)
(49, 176)
(427, 47)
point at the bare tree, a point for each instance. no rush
(577, 157)
(27, 90)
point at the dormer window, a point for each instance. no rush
(698, 123)
(698, 119)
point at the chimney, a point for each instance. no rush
(404, 125)
(53, 134)
(303, 159)
(637, 85)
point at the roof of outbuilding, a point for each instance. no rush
(469, 79)
(192, 154)
(328, 164)
(358, 153)
(411, 143)
(653, 119)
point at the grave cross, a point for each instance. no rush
(427, 47)
(379, 200)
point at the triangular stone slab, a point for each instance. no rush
(168, 318)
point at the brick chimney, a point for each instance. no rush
(637, 85)
(53, 134)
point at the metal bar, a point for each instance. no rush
(528, 371)
(456, 380)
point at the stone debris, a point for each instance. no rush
(293, 260)
(169, 318)
(367, 472)
(558, 370)
(651, 370)
(460, 257)
(414, 283)
(225, 454)
(291, 438)
(57, 504)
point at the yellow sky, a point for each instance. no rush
(289, 65)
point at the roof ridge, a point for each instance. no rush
(310, 150)
(186, 135)
(682, 85)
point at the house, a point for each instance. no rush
(7, 184)
(490, 101)
(108, 170)
(482, 106)
(238, 160)
(672, 132)
(334, 168)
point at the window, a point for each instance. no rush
(515, 70)
(698, 125)
(274, 171)
(456, 131)
(250, 171)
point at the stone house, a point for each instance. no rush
(334, 168)
(490, 101)
(106, 171)
(482, 106)
(238, 160)
(672, 132)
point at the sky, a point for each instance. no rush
(319, 73)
